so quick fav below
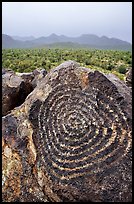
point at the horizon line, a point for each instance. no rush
(67, 36)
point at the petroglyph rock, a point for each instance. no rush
(71, 139)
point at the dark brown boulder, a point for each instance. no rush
(70, 140)
(15, 88)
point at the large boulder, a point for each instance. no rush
(15, 88)
(70, 140)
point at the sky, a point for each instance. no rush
(111, 19)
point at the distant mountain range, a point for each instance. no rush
(23, 38)
(83, 41)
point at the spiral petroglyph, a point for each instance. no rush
(84, 129)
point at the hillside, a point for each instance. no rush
(29, 38)
(83, 41)
(9, 42)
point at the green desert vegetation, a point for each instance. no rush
(106, 61)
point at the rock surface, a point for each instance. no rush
(16, 87)
(14, 90)
(128, 78)
(5, 70)
(38, 76)
(70, 140)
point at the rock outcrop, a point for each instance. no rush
(17, 86)
(14, 91)
(70, 140)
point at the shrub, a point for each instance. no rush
(110, 67)
(87, 61)
(122, 69)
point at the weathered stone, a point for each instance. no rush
(19, 157)
(27, 77)
(128, 78)
(38, 76)
(70, 140)
(5, 70)
(15, 89)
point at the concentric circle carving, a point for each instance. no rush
(81, 132)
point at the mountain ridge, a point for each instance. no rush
(24, 38)
(84, 40)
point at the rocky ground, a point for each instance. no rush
(66, 136)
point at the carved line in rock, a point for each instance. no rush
(80, 134)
